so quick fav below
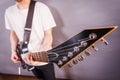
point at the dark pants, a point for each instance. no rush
(45, 72)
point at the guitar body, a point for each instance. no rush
(74, 47)
(19, 53)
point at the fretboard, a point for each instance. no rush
(40, 56)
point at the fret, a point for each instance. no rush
(36, 56)
(39, 56)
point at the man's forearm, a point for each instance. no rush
(13, 40)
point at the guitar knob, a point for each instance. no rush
(70, 65)
(87, 53)
(76, 49)
(64, 58)
(70, 54)
(84, 43)
(60, 62)
(75, 61)
(93, 36)
(95, 48)
(104, 41)
(80, 58)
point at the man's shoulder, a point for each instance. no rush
(40, 4)
(11, 8)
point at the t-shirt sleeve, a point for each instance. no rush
(7, 22)
(47, 18)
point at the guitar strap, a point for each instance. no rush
(28, 25)
(27, 32)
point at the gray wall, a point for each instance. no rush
(73, 16)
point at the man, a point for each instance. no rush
(41, 34)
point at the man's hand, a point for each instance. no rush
(28, 59)
(14, 57)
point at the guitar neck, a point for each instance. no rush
(74, 47)
(39, 56)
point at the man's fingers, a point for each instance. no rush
(26, 58)
(15, 58)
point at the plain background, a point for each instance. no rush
(73, 16)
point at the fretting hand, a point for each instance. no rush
(28, 59)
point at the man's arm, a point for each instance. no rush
(46, 45)
(47, 41)
(14, 40)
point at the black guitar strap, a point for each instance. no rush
(28, 25)
(27, 32)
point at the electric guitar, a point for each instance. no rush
(71, 49)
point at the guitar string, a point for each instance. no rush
(85, 39)
(58, 58)
(63, 52)
(50, 56)
(68, 47)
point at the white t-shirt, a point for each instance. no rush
(15, 19)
